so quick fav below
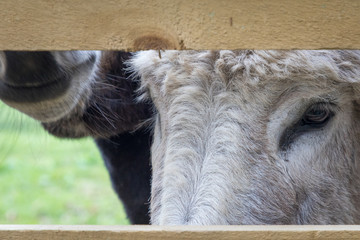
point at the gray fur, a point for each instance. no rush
(216, 157)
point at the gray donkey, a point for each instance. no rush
(238, 137)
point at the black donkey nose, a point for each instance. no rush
(31, 77)
(28, 69)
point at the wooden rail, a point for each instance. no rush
(179, 24)
(31, 232)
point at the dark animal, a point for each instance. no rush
(77, 94)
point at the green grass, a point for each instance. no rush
(46, 180)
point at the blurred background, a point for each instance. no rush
(46, 180)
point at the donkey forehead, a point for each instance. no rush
(254, 76)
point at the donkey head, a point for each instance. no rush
(254, 137)
(46, 85)
(73, 93)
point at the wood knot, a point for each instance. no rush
(154, 42)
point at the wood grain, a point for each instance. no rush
(53, 232)
(179, 24)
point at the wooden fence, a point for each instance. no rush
(53, 232)
(178, 24)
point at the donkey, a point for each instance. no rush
(254, 137)
(87, 93)
(239, 137)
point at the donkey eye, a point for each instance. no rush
(315, 118)
(317, 115)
